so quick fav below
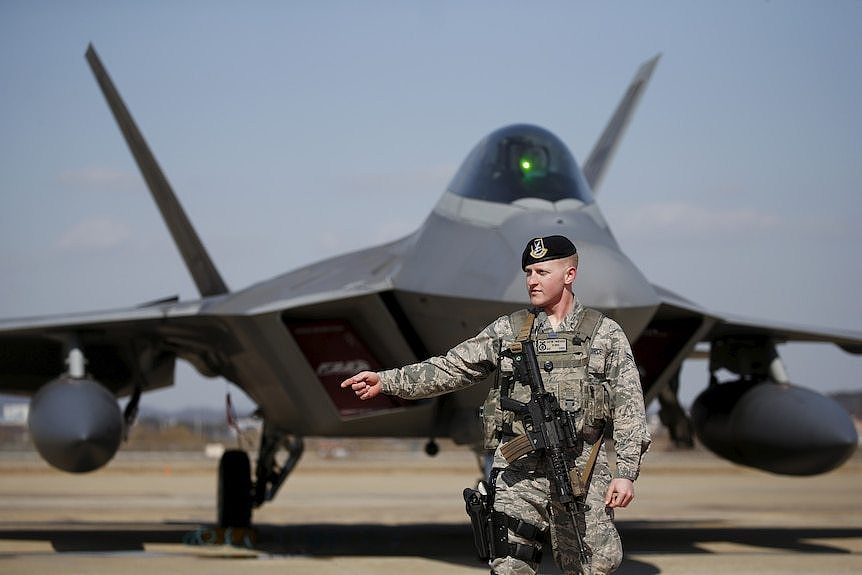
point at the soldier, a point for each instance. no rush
(603, 388)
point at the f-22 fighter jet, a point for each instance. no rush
(289, 341)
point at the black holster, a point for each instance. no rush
(490, 529)
(479, 508)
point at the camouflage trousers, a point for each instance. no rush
(523, 492)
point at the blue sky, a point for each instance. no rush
(292, 131)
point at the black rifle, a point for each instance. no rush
(552, 429)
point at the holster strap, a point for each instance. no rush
(524, 529)
(529, 552)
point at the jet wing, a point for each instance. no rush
(779, 332)
(725, 325)
(125, 348)
(679, 324)
(120, 344)
(310, 325)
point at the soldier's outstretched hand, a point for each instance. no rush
(365, 384)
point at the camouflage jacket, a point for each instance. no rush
(476, 358)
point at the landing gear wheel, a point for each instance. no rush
(234, 489)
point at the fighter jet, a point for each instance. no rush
(289, 341)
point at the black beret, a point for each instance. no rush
(547, 248)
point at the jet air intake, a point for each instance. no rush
(780, 428)
(75, 424)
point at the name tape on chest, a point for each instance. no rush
(552, 345)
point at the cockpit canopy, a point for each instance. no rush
(521, 161)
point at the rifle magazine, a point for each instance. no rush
(516, 448)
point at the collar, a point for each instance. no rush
(569, 323)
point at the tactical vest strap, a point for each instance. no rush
(586, 328)
(588, 324)
(524, 318)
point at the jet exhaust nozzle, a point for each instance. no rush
(781, 428)
(76, 424)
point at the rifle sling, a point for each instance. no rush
(591, 462)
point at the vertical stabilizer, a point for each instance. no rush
(603, 151)
(198, 262)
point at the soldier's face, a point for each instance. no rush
(547, 281)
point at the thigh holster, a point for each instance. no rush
(500, 545)
(479, 506)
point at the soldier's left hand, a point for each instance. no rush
(620, 493)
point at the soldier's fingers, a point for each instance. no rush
(348, 382)
(361, 383)
(615, 499)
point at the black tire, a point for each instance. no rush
(234, 489)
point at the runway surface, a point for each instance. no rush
(395, 510)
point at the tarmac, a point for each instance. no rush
(394, 510)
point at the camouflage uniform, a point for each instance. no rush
(521, 488)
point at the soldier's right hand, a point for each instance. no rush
(365, 384)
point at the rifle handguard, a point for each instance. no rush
(516, 448)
